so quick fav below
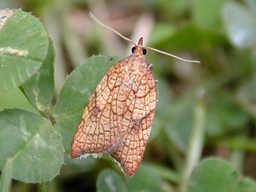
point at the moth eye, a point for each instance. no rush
(133, 49)
(144, 51)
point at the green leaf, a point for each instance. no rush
(78, 88)
(246, 185)
(110, 181)
(30, 145)
(144, 180)
(161, 109)
(224, 116)
(207, 14)
(39, 89)
(240, 24)
(23, 48)
(191, 37)
(179, 124)
(165, 95)
(217, 175)
(164, 172)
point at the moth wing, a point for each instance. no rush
(98, 131)
(137, 121)
(130, 153)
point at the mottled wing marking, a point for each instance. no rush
(130, 153)
(139, 110)
(98, 130)
(119, 114)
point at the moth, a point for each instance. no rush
(118, 117)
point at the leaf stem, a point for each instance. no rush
(42, 187)
(6, 177)
(196, 140)
(48, 116)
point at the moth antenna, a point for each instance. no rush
(127, 39)
(171, 55)
(103, 25)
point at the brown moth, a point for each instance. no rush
(118, 117)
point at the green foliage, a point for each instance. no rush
(215, 174)
(31, 149)
(150, 181)
(29, 50)
(30, 146)
(110, 181)
(204, 110)
(86, 77)
(39, 88)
